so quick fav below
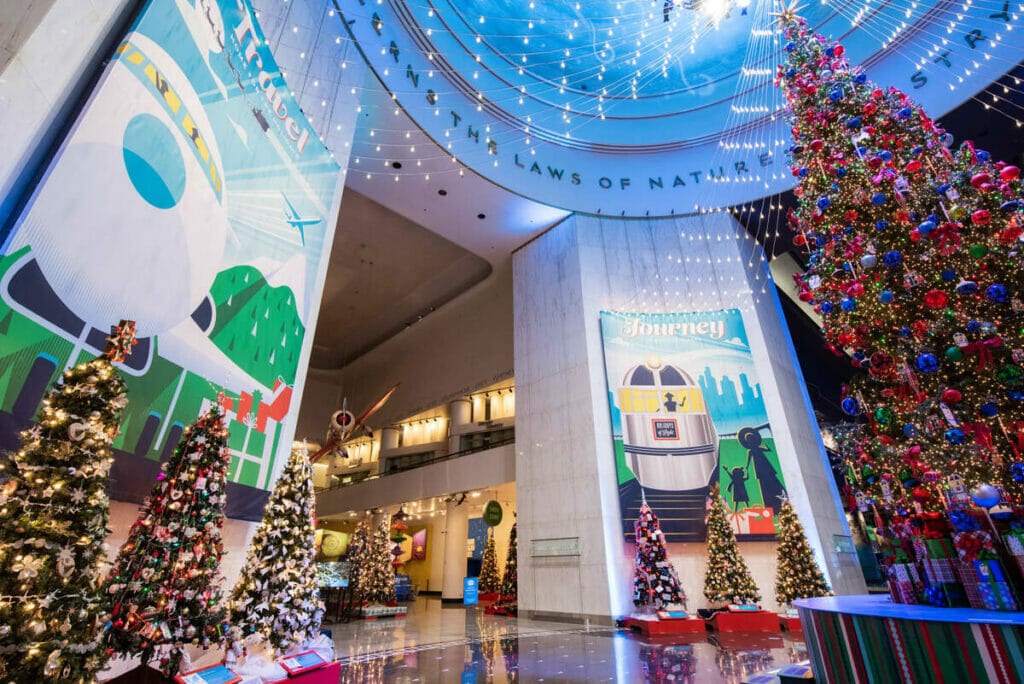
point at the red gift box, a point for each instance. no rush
(969, 578)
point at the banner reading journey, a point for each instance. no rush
(193, 197)
(687, 412)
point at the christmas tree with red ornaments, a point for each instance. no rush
(164, 587)
(655, 580)
(915, 259)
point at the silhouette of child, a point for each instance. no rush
(772, 488)
(737, 485)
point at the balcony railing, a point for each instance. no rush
(437, 459)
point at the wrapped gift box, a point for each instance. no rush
(752, 521)
(939, 570)
(997, 596)
(989, 571)
(1015, 542)
(939, 548)
(971, 543)
(902, 592)
(971, 584)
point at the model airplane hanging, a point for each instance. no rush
(344, 426)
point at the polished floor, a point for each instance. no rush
(463, 645)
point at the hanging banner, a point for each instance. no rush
(687, 413)
(193, 197)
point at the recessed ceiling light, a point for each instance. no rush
(396, 165)
(481, 216)
(442, 192)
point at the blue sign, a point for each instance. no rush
(470, 591)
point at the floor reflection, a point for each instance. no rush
(495, 649)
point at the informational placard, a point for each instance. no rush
(744, 607)
(566, 546)
(216, 674)
(470, 591)
(302, 662)
(672, 615)
(193, 197)
(687, 413)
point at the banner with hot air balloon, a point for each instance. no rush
(687, 413)
(192, 196)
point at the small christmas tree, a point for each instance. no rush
(797, 574)
(655, 580)
(277, 594)
(164, 587)
(358, 546)
(510, 580)
(376, 578)
(727, 579)
(489, 579)
(53, 523)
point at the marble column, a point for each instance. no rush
(456, 532)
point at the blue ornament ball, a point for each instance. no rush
(973, 326)
(1015, 394)
(848, 304)
(850, 406)
(803, 171)
(860, 78)
(892, 259)
(885, 155)
(824, 203)
(886, 296)
(925, 227)
(942, 189)
(983, 156)
(868, 261)
(988, 409)
(909, 430)
(904, 331)
(853, 122)
(841, 171)
(927, 363)
(878, 199)
(882, 225)
(1017, 471)
(827, 307)
(790, 72)
(955, 436)
(905, 113)
(836, 95)
(985, 495)
(997, 293)
(790, 46)
(949, 275)
(966, 287)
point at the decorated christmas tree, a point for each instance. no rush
(53, 523)
(915, 268)
(510, 580)
(655, 581)
(376, 578)
(489, 578)
(727, 579)
(277, 595)
(797, 574)
(164, 587)
(356, 555)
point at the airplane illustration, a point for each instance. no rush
(291, 215)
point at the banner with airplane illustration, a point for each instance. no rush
(687, 413)
(193, 197)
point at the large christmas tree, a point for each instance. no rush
(797, 574)
(53, 523)
(164, 587)
(376, 577)
(277, 594)
(490, 580)
(655, 580)
(727, 579)
(915, 267)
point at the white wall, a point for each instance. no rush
(43, 68)
(463, 346)
(565, 464)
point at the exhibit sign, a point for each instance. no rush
(193, 197)
(687, 413)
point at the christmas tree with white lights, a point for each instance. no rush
(164, 589)
(727, 579)
(797, 575)
(53, 524)
(276, 595)
(376, 576)
(489, 579)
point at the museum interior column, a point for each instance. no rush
(570, 522)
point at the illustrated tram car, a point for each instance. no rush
(668, 436)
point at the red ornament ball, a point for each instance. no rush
(935, 299)
(920, 495)
(952, 396)
(1009, 173)
(981, 217)
(979, 178)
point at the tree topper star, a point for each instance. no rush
(789, 13)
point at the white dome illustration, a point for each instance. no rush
(128, 223)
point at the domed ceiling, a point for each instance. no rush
(650, 107)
